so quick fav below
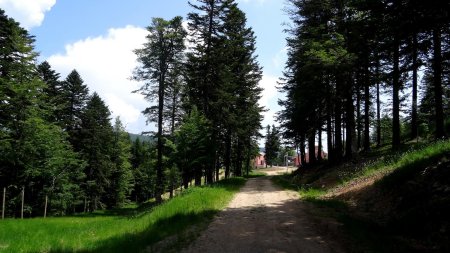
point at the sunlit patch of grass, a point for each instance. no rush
(312, 193)
(255, 173)
(117, 233)
(402, 163)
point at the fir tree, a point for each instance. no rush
(161, 54)
(121, 180)
(75, 95)
(272, 145)
(96, 144)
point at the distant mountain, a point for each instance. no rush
(141, 137)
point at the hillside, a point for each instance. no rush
(384, 202)
(141, 137)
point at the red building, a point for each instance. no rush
(297, 160)
(260, 161)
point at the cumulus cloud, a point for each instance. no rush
(279, 59)
(269, 85)
(106, 63)
(30, 13)
(269, 98)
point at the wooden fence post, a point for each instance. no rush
(45, 208)
(23, 197)
(3, 205)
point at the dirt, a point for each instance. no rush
(263, 218)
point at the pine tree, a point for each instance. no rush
(75, 95)
(121, 180)
(161, 54)
(193, 144)
(53, 91)
(143, 171)
(96, 144)
(240, 114)
(35, 153)
(204, 65)
(272, 145)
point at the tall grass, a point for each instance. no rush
(405, 162)
(117, 233)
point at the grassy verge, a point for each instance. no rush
(363, 233)
(123, 233)
(255, 173)
(359, 235)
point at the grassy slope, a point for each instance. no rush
(404, 210)
(117, 233)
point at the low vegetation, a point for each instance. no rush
(126, 231)
(397, 199)
(255, 173)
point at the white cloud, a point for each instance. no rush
(30, 13)
(106, 63)
(269, 98)
(279, 59)
(269, 85)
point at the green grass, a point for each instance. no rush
(255, 173)
(366, 235)
(311, 193)
(117, 233)
(402, 164)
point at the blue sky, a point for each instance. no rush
(97, 37)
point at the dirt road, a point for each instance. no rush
(262, 218)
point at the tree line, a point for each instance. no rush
(345, 56)
(205, 95)
(57, 140)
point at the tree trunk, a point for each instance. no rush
(366, 106)
(45, 206)
(238, 169)
(186, 180)
(395, 96)
(319, 141)
(302, 149)
(217, 169)
(378, 106)
(159, 163)
(358, 115)
(3, 203)
(198, 177)
(437, 81)
(330, 131)
(173, 112)
(312, 147)
(414, 128)
(350, 145)
(248, 161)
(227, 154)
(23, 201)
(338, 121)
(210, 167)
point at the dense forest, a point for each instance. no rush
(359, 158)
(60, 152)
(344, 57)
(359, 73)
